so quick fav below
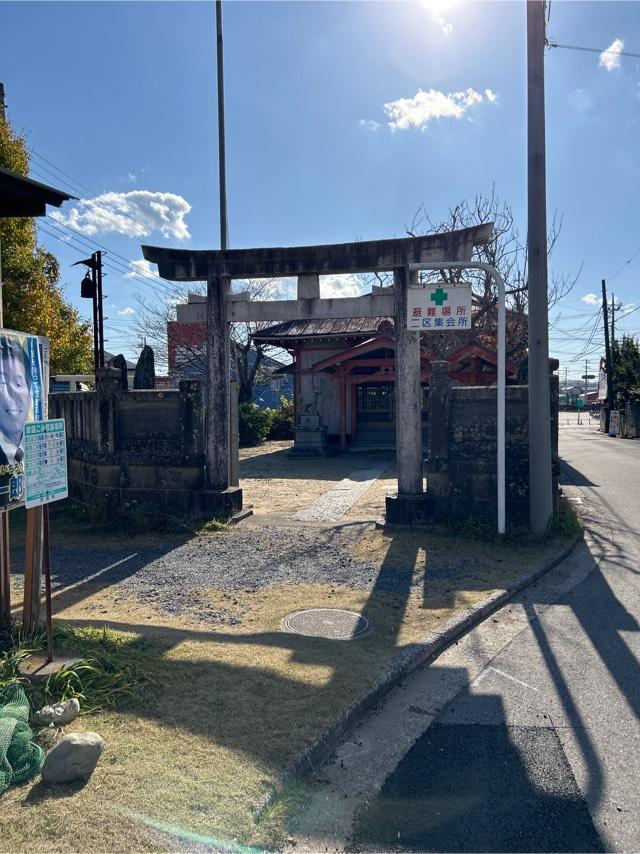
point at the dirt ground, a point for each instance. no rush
(276, 483)
(234, 696)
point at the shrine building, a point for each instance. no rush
(344, 373)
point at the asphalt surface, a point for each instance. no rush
(525, 735)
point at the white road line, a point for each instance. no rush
(485, 673)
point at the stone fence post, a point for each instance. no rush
(191, 419)
(438, 443)
(108, 385)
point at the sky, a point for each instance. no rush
(342, 120)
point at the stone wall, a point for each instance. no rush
(135, 449)
(461, 465)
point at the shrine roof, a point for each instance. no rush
(323, 328)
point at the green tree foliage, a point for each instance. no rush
(33, 300)
(626, 368)
(254, 424)
(282, 420)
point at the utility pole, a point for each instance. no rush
(613, 320)
(612, 343)
(224, 236)
(607, 353)
(91, 288)
(540, 482)
(586, 379)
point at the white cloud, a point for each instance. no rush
(628, 307)
(141, 267)
(591, 299)
(610, 58)
(132, 178)
(490, 95)
(581, 101)
(126, 312)
(436, 8)
(341, 285)
(135, 214)
(445, 26)
(425, 106)
(369, 124)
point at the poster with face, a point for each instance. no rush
(23, 397)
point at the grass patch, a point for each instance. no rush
(564, 523)
(110, 670)
(214, 526)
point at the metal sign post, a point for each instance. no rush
(501, 379)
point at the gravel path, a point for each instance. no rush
(246, 558)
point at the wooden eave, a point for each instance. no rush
(24, 197)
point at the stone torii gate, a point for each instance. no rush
(307, 263)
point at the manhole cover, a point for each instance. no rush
(326, 623)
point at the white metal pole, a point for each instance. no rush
(501, 379)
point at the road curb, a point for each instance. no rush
(400, 666)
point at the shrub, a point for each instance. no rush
(282, 420)
(254, 424)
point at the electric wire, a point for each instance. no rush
(552, 43)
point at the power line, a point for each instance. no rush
(116, 270)
(78, 186)
(626, 264)
(127, 267)
(552, 43)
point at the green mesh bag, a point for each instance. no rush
(20, 757)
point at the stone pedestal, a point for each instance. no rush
(222, 504)
(310, 436)
(409, 509)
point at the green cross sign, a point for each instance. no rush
(439, 296)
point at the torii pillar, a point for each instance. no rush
(409, 506)
(221, 498)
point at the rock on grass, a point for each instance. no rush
(74, 757)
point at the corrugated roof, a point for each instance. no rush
(321, 328)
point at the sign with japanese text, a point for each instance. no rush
(45, 462)
(439, 308)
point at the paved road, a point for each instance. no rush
(525, 735)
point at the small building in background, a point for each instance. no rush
(186, 342)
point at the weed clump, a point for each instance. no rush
(111, 670)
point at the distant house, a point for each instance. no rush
(186, 345)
